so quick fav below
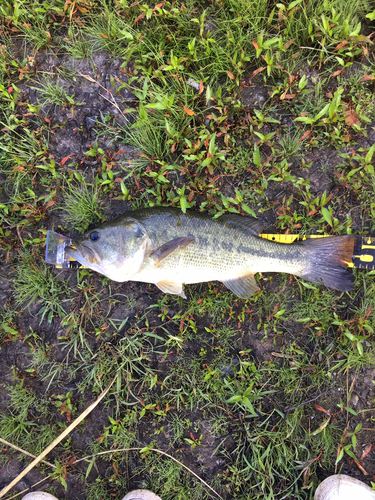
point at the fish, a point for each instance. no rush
(170, 248)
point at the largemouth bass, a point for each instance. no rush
(169, 248)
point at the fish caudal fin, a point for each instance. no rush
(328, 259)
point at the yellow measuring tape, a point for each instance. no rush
(365, 258)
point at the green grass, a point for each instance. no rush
(37, 285)
(212, 374)
(54, 93)
(82, 206)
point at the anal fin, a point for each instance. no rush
(172, 287)
(244, 287)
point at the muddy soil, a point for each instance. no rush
(73, 131)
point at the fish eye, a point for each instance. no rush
(94, 236)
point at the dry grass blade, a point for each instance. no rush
(24, 452)
(27, 490)
(63, 435)
(90, 79)
(156, 451)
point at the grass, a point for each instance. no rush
(82, 206)
(213, 379)
(54, 93)
(33, 284)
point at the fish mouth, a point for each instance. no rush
(83, 254)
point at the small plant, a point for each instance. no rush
(55, 93)
(65, 405)
(83, 206)
(290, 145)
(37, 284)
(80, 48)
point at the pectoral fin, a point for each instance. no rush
(243, 287)
(171, 246)
(172, 287)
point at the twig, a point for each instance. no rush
(360, 291)
(306, 402)
(28, 489)
(24, 452)
(49, 448)
(90, 79)
(156, 451)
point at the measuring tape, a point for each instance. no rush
(364, 259)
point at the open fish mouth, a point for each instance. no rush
(73, 253)
(83, 254)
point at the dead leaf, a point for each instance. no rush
(360, 467)
(366, 452)
(231, 75)
(291, 77)
(201, 88)
(337, 73)
(366, 78)
(288, 44)
(64, 160)
(50, 203)
(305, 136)
(340, 45)
(189, 111)
(320, 408)
(103, 35)
(322, 427)
(255, 44)
(159, 5)
(257, 71)
(351, 118)
(141, 16)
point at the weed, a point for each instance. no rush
(79, 47)
(169, 480)
(83, 206)
(20, 424)
(55, 93)
(36, 283)
(290, 145)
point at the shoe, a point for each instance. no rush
(141, 495)
(133, 495)
(39, 495)
(341, 487)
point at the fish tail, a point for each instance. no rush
(328, 259)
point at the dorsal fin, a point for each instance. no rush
(251, 224)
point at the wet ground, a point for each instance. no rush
(72, 131)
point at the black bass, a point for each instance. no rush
(169, 248)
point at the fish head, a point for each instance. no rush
(115, 249)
